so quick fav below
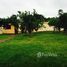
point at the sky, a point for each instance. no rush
(48, 8)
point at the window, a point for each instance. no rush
(7, 27)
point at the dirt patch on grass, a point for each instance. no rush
(10, 37)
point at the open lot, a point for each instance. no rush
(23, 50)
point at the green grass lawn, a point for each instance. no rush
(3, 36)
(22, 50)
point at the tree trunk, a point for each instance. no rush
(59, 29)
(16, 31)
(54, 29)
(65, 30)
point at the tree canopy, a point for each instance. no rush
(63, 21)
(30, 21)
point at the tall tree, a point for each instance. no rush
(54, 22)
(14, 21)
(63, 20)
(30, 22)
(60, 12)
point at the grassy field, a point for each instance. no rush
(3, 36)
(23, 50)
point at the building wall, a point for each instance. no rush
(8, 31)
(1, 30)
(46, 27)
